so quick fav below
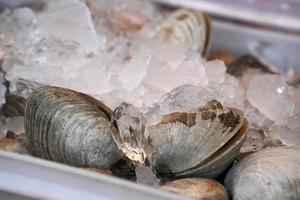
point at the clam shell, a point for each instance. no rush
(14, 145)
(269, 174)
(200, 143)
(14, 106)
(187, 26)
(197, 188)
(70, 127)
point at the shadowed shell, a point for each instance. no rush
(187, 26)
(197, 188)
(70, 127)
(269, 174)
(200, 143)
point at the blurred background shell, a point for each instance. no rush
(14, 106)
(187, 26)
(199, 143)
(70, 127)
(269, 174)
(197, 188)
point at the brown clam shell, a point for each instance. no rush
(200, 143)
(197, 188)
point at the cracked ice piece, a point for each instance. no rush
(268, 93)
(131, 125)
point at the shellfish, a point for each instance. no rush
(187, 26)
(197, 188)
(76, 129)
(70, 127)
(200, 143)
(269, 174)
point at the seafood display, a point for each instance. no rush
(74, 128)
(138, 91)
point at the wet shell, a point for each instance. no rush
(14, 106)
(186, 26)
(70, 127)
(197, 188)
(14, 145)
(201, 143)
(270, 174)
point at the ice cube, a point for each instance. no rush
(215, 71)
(268, 94)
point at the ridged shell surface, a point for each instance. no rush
(190, 27)
(70, 127)
(270, 174)
(199, 143)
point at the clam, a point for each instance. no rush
(14, 106)
(197, 188)
(190, 27)
(200, 143)
(70, 127)
(269, 174)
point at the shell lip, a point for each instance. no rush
(237, 139)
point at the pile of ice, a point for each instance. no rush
(51, 47)
(111, 51)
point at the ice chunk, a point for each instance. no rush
(14, 125)
(255, 118)
(187, 97)
(61, 24)
(172, 66)
(285, 135)
(268, 93)
(145, 176)
(131, 136)
(133, 73)
(53, 47)
(122, 16)
(215, 71)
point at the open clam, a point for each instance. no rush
(269, 174)
(70, 127)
